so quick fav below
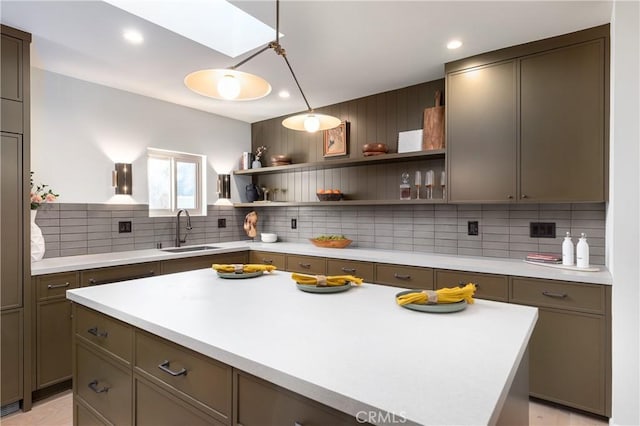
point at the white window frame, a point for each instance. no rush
(174, 157)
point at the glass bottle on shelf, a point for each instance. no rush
(428, 183)
(418, 183)
(405, 188)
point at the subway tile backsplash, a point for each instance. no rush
(75, 229)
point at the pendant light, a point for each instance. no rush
(230, 84)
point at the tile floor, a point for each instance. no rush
(56, 411)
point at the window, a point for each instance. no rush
(176, 181)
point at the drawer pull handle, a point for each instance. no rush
(94, 387)
(557, 295)
(267, 261)
(297, 424)
(165, 367)
(304, 265)
(93, 281)
(401, 277)
(52, 286)
(95, 332)
(349, 270)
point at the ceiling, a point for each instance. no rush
(339, 50)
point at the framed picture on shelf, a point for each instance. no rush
(336, 141)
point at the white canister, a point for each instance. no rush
(582, 252)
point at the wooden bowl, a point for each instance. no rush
(330, 243)
(330, 196)
(374, 147)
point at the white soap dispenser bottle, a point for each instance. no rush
(567, 250)
(582, 252)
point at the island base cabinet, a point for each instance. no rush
(103, 385)
(259, 403)
(157, 407)
(85, 416)
(568, 360)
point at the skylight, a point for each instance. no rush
(214, 23)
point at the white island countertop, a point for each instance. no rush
(489, 265)
(354, 351)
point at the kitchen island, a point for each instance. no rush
(355, 351)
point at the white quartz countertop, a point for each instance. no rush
(354, 351)
(488, 265)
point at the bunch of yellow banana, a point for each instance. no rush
(321, 280)
(245, 268)
(443, 295)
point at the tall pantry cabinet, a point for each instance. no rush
(15, 266)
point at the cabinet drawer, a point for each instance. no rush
(104, 332)
(83, 416)
(363, 270)
(204, 382)
(118, 273)
(155, 406)
(306, 264)
(55, 285)
(404, 276)
(493, 287)
(264, 404)
(558, 294)
(103, 385)
(201, 262)
(268, 258)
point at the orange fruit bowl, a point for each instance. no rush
(331, 243)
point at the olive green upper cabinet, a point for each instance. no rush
(562, 124)
(481, 128)
(529, 123)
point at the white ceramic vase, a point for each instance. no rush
(256, 164)
(37, 240)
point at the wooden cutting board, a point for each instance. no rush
(433, 128)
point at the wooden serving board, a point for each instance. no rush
(433, 127)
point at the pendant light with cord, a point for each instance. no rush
(230, 84)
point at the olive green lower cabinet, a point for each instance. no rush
(11, 356)
(268, 258)
(201, 262)
(570, 349)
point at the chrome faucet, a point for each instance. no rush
(189, 228)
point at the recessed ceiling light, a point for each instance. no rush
(133, 36)
(454, 44)
(284, 94)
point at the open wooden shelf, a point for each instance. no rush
(346, 162)
(336, 203)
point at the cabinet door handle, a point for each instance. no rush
(52, 286)
(297, 424)
(464, 283)
(349, 270)
(165, 367)
(401, 276)
(510, 197)
(524, 196)
(304, 265)
(93, 281)
(552, 294)
(95, 332)
(267, 261)
(94, 387)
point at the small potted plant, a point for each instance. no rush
(259, 153)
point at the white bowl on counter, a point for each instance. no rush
(268, 238)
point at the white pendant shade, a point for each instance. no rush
(227, 84)
(311, 122)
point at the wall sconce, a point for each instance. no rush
(224, 186)
(121, 178)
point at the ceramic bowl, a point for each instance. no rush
(374, 147)
(268, 238)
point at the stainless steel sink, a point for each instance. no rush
(188, 249)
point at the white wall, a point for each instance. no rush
(623, 216)
(80, 129)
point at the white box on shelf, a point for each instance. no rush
(410, 141)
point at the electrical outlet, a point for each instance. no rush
(124, 226)
(222, 223)
(472, 227)
(294, 223)
(542, 229)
